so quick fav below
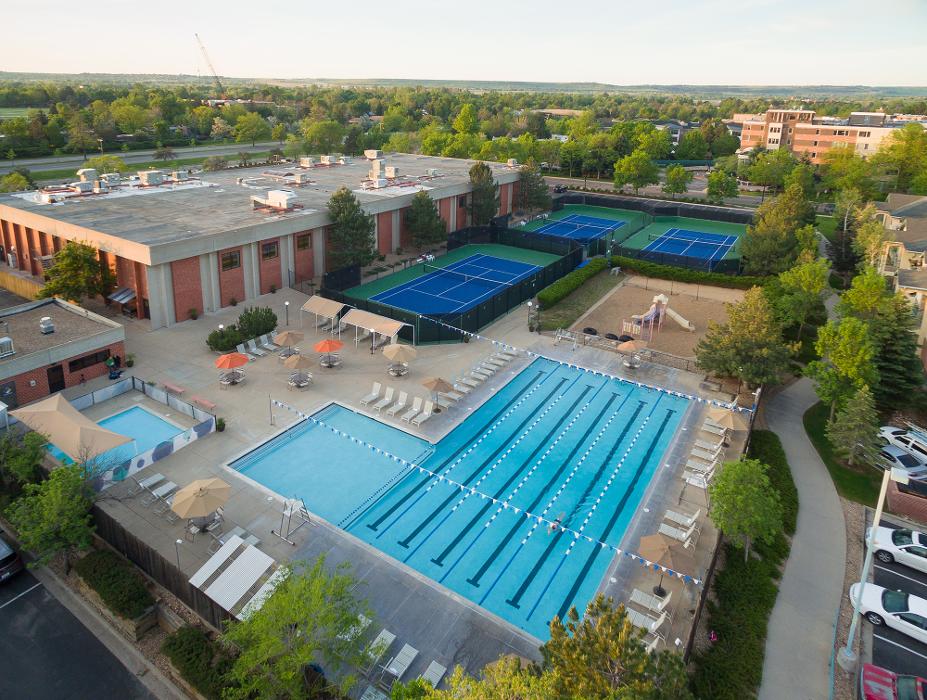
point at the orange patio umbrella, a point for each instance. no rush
(328, 345)
(231, 360)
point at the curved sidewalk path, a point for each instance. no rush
(801, 629)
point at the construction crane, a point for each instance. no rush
(211, 68)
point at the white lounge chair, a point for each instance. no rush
(145, 484)
(373, 395)
(241, 348)
(488, 368)
(697, 465)
(399, 405)
(385, 401)
(645, 622)
(705, 454)
(482, 374)
(506, 355)
(682, 518)
(378, 647)
(650, 603)
(254, 349)
(676, 533)
(399, 664)
(414, 411)
(651, 641)
(714, 429)
(462, 388)
(443, 401)
(268, 344)
(425, 414)
(493, 362)
(471, 382)
(708, 445)
(163, 491)
(434, 673)
(452, 395)
(696, 480)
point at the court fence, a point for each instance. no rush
(657, 207)
(725, 267)
(443, 328)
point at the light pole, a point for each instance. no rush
(286, 311)
(177, 544)
(846, 657)
(100, 141)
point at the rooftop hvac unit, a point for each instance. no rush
(301, 178)
(151, 177)
(512, 162)
(373, 154)
(179, 175)
(46, 325)
(100, 186)
(392, 171)
(82, 186)
(111, 179)
(50, 197)
(432, 172)
(328, 160)
(276, 199)
(306, 162)
(6, 347)
(378, 182)
(87, 174)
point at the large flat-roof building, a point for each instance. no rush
(180, 244)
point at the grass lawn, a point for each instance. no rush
(64, 173)
(826, 225)
(860, 485)
(566, 311)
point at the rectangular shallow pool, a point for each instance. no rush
(144, 427)
(559, 443)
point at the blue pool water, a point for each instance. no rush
(557, 442)
(145, 428)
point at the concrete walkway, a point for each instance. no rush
(801, 628)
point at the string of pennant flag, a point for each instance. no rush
(502, 503)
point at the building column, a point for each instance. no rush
(161, 296)
(453, 213)
(318, 252)
(397, 222)
(249, 261)
(287, 266)
(209, 277)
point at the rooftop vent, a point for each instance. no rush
(111, 179)
(87, 174)
(179, 175)
(6, 347)
(512, 162)
(282, 200)
(328, 160)
(344, 160)
(82, 186)
(392, 171)
(306, 162)
(151, 177)
(46, 325)
(432, 172)
(373, 154)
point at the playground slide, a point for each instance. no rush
(688, 325)
(652, 314)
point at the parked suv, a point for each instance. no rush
(891, 456)
(907, 440)
(10, 563)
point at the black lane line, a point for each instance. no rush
(515, 600)
(392, 509)
(479, 469)
(615, 515)
(503, 543)
(567, 415)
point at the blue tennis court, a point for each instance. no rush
(710, 247)
(580, 227)
(457, 287)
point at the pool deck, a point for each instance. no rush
(442, 625)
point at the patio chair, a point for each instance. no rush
(426, 413)
(650, 603)
(373, 395)
(706, 455)
(443, 401)
(676, 533)
(164, 506)
(480, 373)
(452, 395)
(254, 349)
(377, 648)
(505, 354)
(268, 344)
(493, 362)
(399, 405)
(717, 430)
(385, 401)
(324, 323)
(708, 445)
(682, 518)
(697, 465)
(645, 622)
(651, 641)
(697, 480)
(399, 664)
(145, 484)
(434, 673)
(488, 368)
(241, 349)
(414, 411)
(163, 491)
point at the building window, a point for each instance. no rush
(814, 155)
(231, 261)
(303, 241)
(462, 202)
(864, 134)
(269, 251)
(88, 361)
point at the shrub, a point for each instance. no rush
(225, 339)
(193, 313)
(118, 585)
(233, 301)
(569, 283)
(766, 447)
(681, 274)
(256, 321)
(220, 425)
(201, 661)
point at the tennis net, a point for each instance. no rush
(463, 277)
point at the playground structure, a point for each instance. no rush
(652, 320)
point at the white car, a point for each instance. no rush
(896, 609)
(891, 456)
(908, 547)
(909, 441)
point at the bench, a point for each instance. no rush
(174, 388)
(203, 403)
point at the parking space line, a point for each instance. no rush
(900, 646)
(895, 573)
(15, 598)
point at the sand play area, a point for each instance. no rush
(696, 304)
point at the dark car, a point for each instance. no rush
(881, 684)
(560, 188)
(10, 563)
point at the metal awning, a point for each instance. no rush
(123, 295)
(379, 325)
(238, 577)
(323, 307)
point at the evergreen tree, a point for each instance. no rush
(854, 430)
(532, 189)
(771, 245)
(424, 222)
(484, 197)
(897, 360)
(350, 236)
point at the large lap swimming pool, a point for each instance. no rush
(559, 443)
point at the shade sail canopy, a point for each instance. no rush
(329, 345)
(298, 362)
(372, 322)
(69, 429)
(231, 360)
(200, 498)
(323, 307)
(288, 338)
(437, 384)
(400, 353)
(726, 418)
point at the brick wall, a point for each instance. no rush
(188, 287)
(231, 282)
(385, 232)
(27, 394)
(270, 268)
(461, 211)
(504, 192)
(405, 237)
(444, 209)
(907, 504)
(303, 263)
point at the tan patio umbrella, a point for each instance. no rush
(437, 385)
(200, 498)
(400, 353)
(68, 429)
(298, 362)
(630, 346)
(661, 550)
(288, 338)
(726, 418)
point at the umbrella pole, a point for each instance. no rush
(270, 407)
(658, 590)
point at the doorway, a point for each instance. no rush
(55, 379)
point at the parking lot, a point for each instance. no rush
(891, 649)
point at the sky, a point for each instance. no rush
(623, 42)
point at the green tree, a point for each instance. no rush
(770, 169)
(80, 133)
(854, 430)
(744, 505)
(869, 237)
(107, 164)
(692, 146)
(278, 133)
(14, 182)
(505, 679)
(424, 222)
(466, 120)
(572, 155)
(897, 356)
(324, 136)
(904, 155)
(214, 163)
(803, 288)
(164, 153)
(846, 362)
(311, 617)
(677, 179)
(656, 143)
(771, 244)
(637, 170)
(866, 295)
(294, 147)
(484, 196)
(802, 175)
(20, 457)
(532, 192)
(844, 169)
(221, 129)
(251, 127)
(54, 516)
(749, 346)
(721, 186)
(350, 237)
(77, 273)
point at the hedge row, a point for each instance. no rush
(745, 593)
(252, 322)
(201, 661)
(116, 582)
(681, 274)
(569, 283)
